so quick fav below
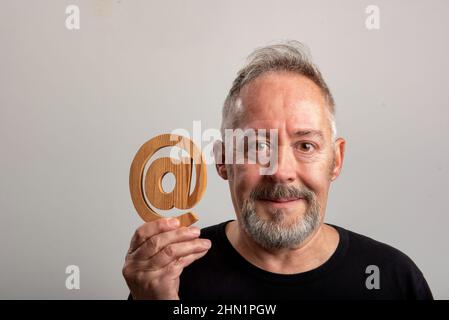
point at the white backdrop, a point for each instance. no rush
(75, 105)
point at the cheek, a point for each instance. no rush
(245, 177)
(317, 178)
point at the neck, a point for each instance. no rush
(310, 254)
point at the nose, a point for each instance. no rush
(285, 171)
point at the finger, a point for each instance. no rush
(149, 229)
(174, 269)
(159, 241)
(143, 265)
(187, 260)
(177, 250)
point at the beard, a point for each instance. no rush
(276, 232)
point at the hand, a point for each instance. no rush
(159, 252)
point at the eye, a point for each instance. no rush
(262, 146)
(258, 146)
(306, 147)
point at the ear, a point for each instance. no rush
(339, 155)
(219, 155)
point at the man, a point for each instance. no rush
(278, 247)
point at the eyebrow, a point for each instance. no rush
(300, 133)
(307, 132)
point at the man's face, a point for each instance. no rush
(282, 209)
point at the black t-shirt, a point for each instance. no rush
(360, 268)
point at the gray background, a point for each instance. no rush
(76, 105)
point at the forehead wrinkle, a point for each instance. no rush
(282, 97)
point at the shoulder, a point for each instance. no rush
(396, 267)
(361, 246)
(215, 231)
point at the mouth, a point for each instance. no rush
(281, 202)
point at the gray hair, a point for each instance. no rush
(290, 56)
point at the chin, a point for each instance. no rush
(288, 210)
(288, 216)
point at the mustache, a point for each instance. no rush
(279, 191)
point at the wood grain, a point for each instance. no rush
(151, 188)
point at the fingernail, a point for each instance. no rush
(207, 244)
(173, 222)
(195, 230)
